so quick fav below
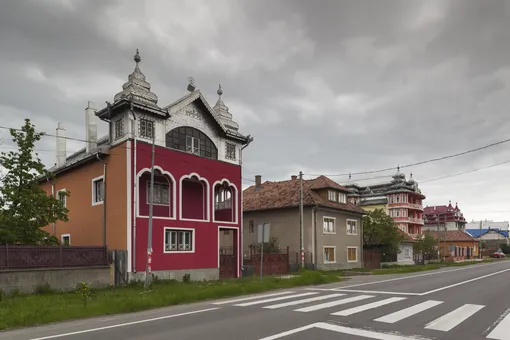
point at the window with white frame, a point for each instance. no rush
(146, 128)
(161, 193)
(352, 254)
(332, 195)
(342, 198)
(119, 128)
(352, 227)
(329, 225)
(329, 254)
(98, 190)
(62, 197)
(193, 145)
(230, 151)
(178, 240)
(65, 239)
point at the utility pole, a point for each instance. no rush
(151, 200)
(301, 231)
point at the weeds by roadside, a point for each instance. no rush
(17, 310)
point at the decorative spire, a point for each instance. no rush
(221, 110)
(137, 88)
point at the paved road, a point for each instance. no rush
(457, 303)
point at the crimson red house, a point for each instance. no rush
(197, 183)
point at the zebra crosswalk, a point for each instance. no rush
(337, 304)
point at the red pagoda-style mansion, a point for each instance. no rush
(444, 216)
(197, 183)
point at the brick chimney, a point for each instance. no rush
(258, 181)
(293, 177)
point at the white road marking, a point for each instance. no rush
(297, 302)
(419, 275)
(346, 330)
(124, 324)
(368, 306)
(464, 282)
(273, 299)
(333, 303)
(453, 318)
(374, 292)
(409, 311)
(502, 330)
(251, 298)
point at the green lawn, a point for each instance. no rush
(28, 310)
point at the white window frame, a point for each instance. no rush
(160, 184)
(170, 229)
(194, 148)
(62, 238)
(332, 195)
(145, 132)
(347, 226)
(230, 151)
(334, 225)
(347, 250)
(94, 180)
(65, 196)
(325, 260)
(342, 197)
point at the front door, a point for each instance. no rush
(228, 254)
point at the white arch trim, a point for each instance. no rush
(236, 202)
(207, 197)
(174, 192)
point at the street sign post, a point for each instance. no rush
(263, 237)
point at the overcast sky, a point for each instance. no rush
(325, 87)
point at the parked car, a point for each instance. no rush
(498, 254)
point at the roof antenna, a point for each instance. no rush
(191, 84)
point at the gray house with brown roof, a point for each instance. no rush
(332, 226)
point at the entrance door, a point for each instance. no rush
(228, 254)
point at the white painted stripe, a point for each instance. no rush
(502, 330)
(123, 324)
(298, 302)
(453, 318)
(374, 292)
(274, 299)
(357, 332)
(409, 311)
(464, 282)
(333, 303)
(368, 306)
(251, 298)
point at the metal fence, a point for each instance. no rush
(32, 257)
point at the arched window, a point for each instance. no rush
(191, 140)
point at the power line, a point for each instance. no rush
(465, 172)
(418, 163)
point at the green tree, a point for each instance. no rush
(24, 206)
(380, 231)
(426, 245)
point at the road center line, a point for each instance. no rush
(419, 275)
(464, 282)
(124, 324)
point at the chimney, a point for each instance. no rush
(90, 127)
(258, 181)
(61, 145)
(293, 177)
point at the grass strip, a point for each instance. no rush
(48, 306)
(396, 269)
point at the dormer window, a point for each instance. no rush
(146, 128)
(332, 195)
(191, 140)
(342, 198)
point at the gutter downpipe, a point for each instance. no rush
(135, 198)
(104, 198)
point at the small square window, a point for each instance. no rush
(230, 152)
(332, 195)
(62, 197)
(146, 128)
(65, 240)
(329, 225)
(119, 128)
(97, 191)
(352, 254)
(352, 228)
(329, 255)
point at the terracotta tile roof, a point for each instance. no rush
(285, 194)
(407, 237)
(452, 236)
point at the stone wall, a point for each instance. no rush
(27, 281)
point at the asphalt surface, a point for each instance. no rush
(471, 302)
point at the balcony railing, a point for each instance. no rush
(416, 206)
(416, 220)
